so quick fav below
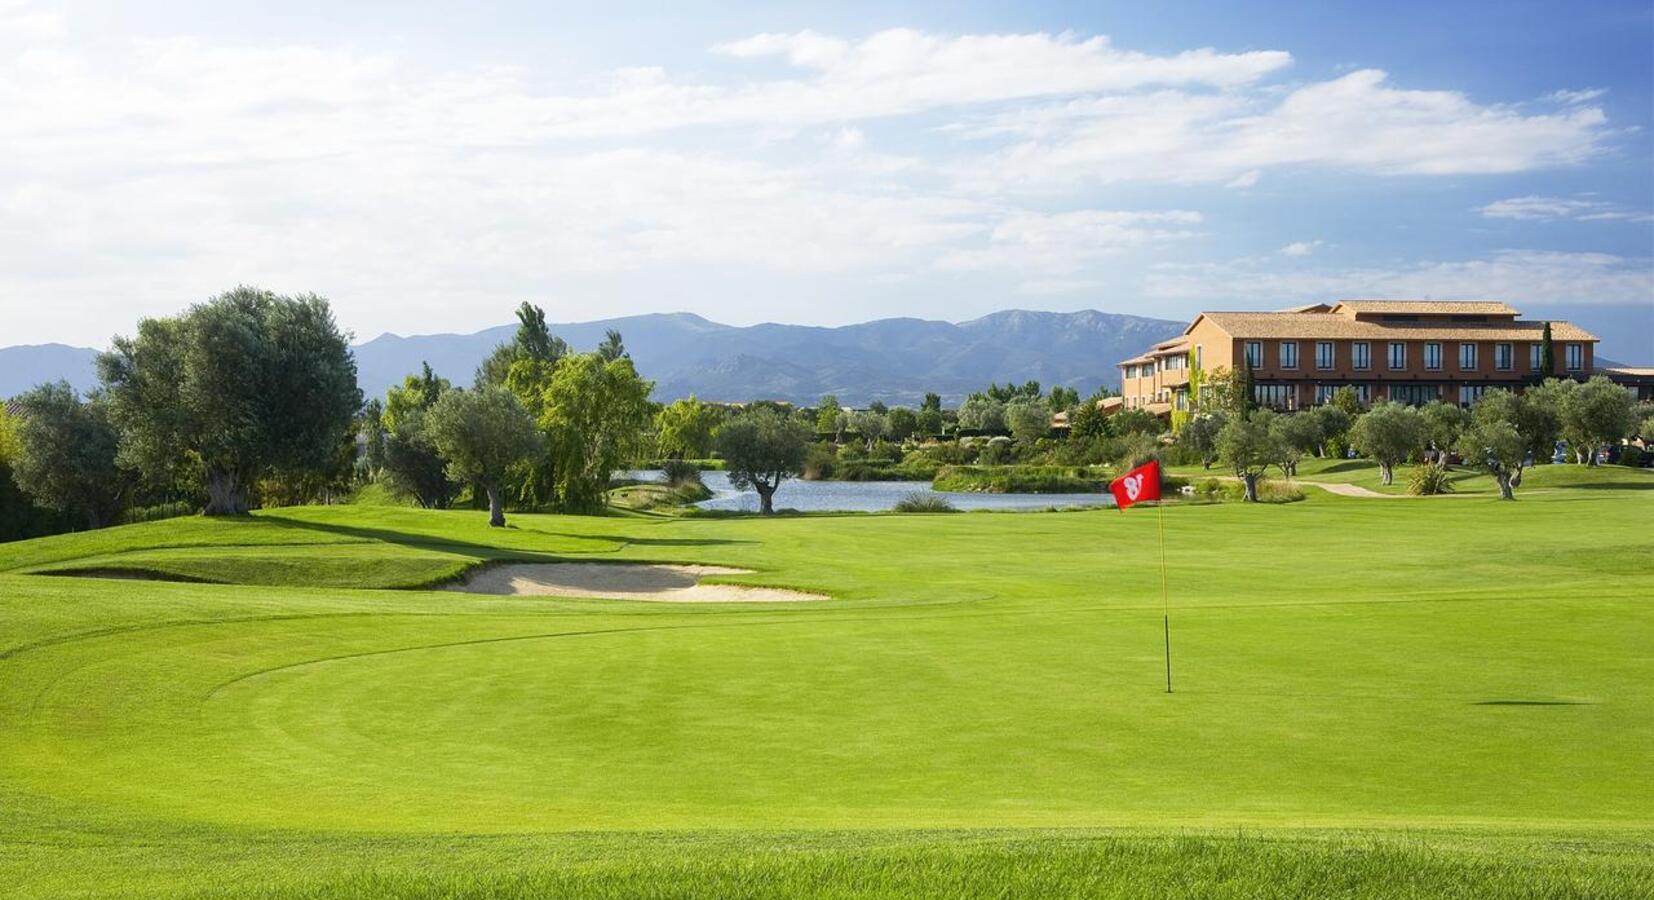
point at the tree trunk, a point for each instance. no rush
(1504, 485)
(1386, 473)
(766, 499)
(496, 510)
(226, 495)
(1251, 481)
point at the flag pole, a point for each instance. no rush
(1165, 604)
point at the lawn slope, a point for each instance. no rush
(1442, 696)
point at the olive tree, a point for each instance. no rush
(870, 425)
(482, 433)
(1440, 425)
(65, 455)
(1028, 420)
(1247, 448)
(1493, 438)
(1295, 435)
(1200, 436)
(246, 383)
(762, 449)
(1593, 413)
(982, 413)
(1387, 434)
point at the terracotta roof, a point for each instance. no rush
(1428, 307)
(1628, 371)
(1179, 341)
(1135, 361)
(1322, 325)
(1308, 307)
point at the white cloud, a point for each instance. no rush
(138, 174)
(1356, 123)
(1572, 97)
(1063, 243)
(1536, 208)
(1517, 276)
(1299, 248)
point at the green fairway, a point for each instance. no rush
(1446, 695)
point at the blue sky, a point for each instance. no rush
(427, 166)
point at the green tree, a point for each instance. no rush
(1088, 421)
(242, 385)
(762, 449)
(904, 423)
(1348, 401)
(1027, 420)
(1493, 440)
(613, 347)
(1594, 413)
(1334, 423)
(66, 455)
(932, 401)
(982, 412)
(869, 425)
(1387, 434)
(684, 428)
(532, 341)
(411, 461)
(1200, 436)
(482, 433)
(1135, 421)
(594, 420)
(1440, 426)
(1064, 397)
(877, 407)
(830, 417)
(929, 421)
(1248, 450)
(1294, 435)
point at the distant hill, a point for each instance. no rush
(892, 360)
(24, 367)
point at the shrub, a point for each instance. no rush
(996, 453)
(679, 473)
(1427, 480)
(1018, 480)
(1631, 456)
(917, 502)
(820, 463)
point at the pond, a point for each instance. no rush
(865, 496)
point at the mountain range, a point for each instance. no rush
(891, 360)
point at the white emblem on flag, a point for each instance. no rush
(1134, 485)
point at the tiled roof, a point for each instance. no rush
(1629, 371)
(1135, 361)
(1179, 341)
(1308, 307)
(1325, 325)
(1428, 307)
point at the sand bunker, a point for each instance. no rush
(615, 581)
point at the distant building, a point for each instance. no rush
(1409, 351)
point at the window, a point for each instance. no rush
(1413, 394)
(1276, 396)
(1502, 354)
(1324, 392)
(1197, 356)
(1323, 354)
(1398, 355)
(1533, 356)
(1254, 354)
(1467, 357)
(1470, 393)
(1289, 354)
(1576, 357)
(1432, 356)
(1361, 355)
(1131, 372)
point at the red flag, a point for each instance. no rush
(1141, 483)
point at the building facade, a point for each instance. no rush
(1408, 351)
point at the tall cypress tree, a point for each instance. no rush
(1248, 397)
(1547, 355)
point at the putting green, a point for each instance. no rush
(1340, 663)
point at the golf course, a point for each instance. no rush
(1393, 696)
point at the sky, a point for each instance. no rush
(429, 166)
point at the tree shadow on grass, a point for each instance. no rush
(1605, 486)
(1533, 703)
(491, 551)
